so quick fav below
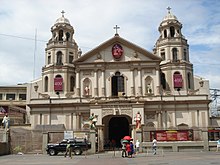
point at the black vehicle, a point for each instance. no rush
(77, 146)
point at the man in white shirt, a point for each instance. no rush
(218, 145)
(6, 121)
(137, 145)
(154, 146)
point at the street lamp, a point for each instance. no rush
(201, 82)
(36, 87)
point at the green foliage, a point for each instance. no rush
(17, 149)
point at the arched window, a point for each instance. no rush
(163, 80)
(117, 84)
(46, 84)
(72, 83)
(189, 80)
(59, 58)
(184, 55)
(174, 53)
(67, 36)
(87, 86)
(172, 31)
(149, 85)
(61, 35)
(165, 33)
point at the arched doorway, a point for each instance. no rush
(118, 128)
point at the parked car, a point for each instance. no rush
(77, 146)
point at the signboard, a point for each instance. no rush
(178, 81)
(68, 134)
(58, 84)
(180, 135)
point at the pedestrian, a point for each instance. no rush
(132, 149)
(128, 149)
(154, 146)
(6, 122)
(68, 150)
(137, 146)
(123, 148)
(218, 145)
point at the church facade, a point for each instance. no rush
(117, 80)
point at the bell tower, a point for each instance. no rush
(61, 50)
(176, 69)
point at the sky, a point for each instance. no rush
(25, 29)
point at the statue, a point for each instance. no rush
(137, 119)
(6, 122)
(93, 119)
(149, 90)
(86, 90)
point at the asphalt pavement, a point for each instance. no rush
(114, 158)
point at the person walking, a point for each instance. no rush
(128, 149)
(154, 146)
(132, 149)
(218, 145)
(137, 146)
(123, 153)
(68, 150)
(6, 122)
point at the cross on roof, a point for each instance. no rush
(62, 13)
(116, 29)
(168, 8)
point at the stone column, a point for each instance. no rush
(45, 141)
(139, 138)
(67, 83)
(100, 138)
(92, 139)
(139, 83)
(158, 90)
(205, 139)
(77, 83)
(103, 83)
(133, 131)
(78, 121)
(132, 82)
(159, 119)
(95, 84)
(74, 121)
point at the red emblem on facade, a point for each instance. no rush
(117, 51)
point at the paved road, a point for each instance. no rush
(110, 158)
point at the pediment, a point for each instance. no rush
(131, 52)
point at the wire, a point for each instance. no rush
(25, 38)
(88, 48)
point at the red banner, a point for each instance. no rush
(178, 81)
(58, 84)
(172, 135)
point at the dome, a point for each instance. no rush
(169, 16)
(62, 20)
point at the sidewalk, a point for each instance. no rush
(109, 158)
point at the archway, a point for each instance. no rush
(118, 128)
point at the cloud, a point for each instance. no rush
(93, 23)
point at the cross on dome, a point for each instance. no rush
(62, 13)
(168, 8)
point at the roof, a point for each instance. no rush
(113, 40)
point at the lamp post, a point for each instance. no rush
(11, 103)
(36, 89)
(201, 82)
